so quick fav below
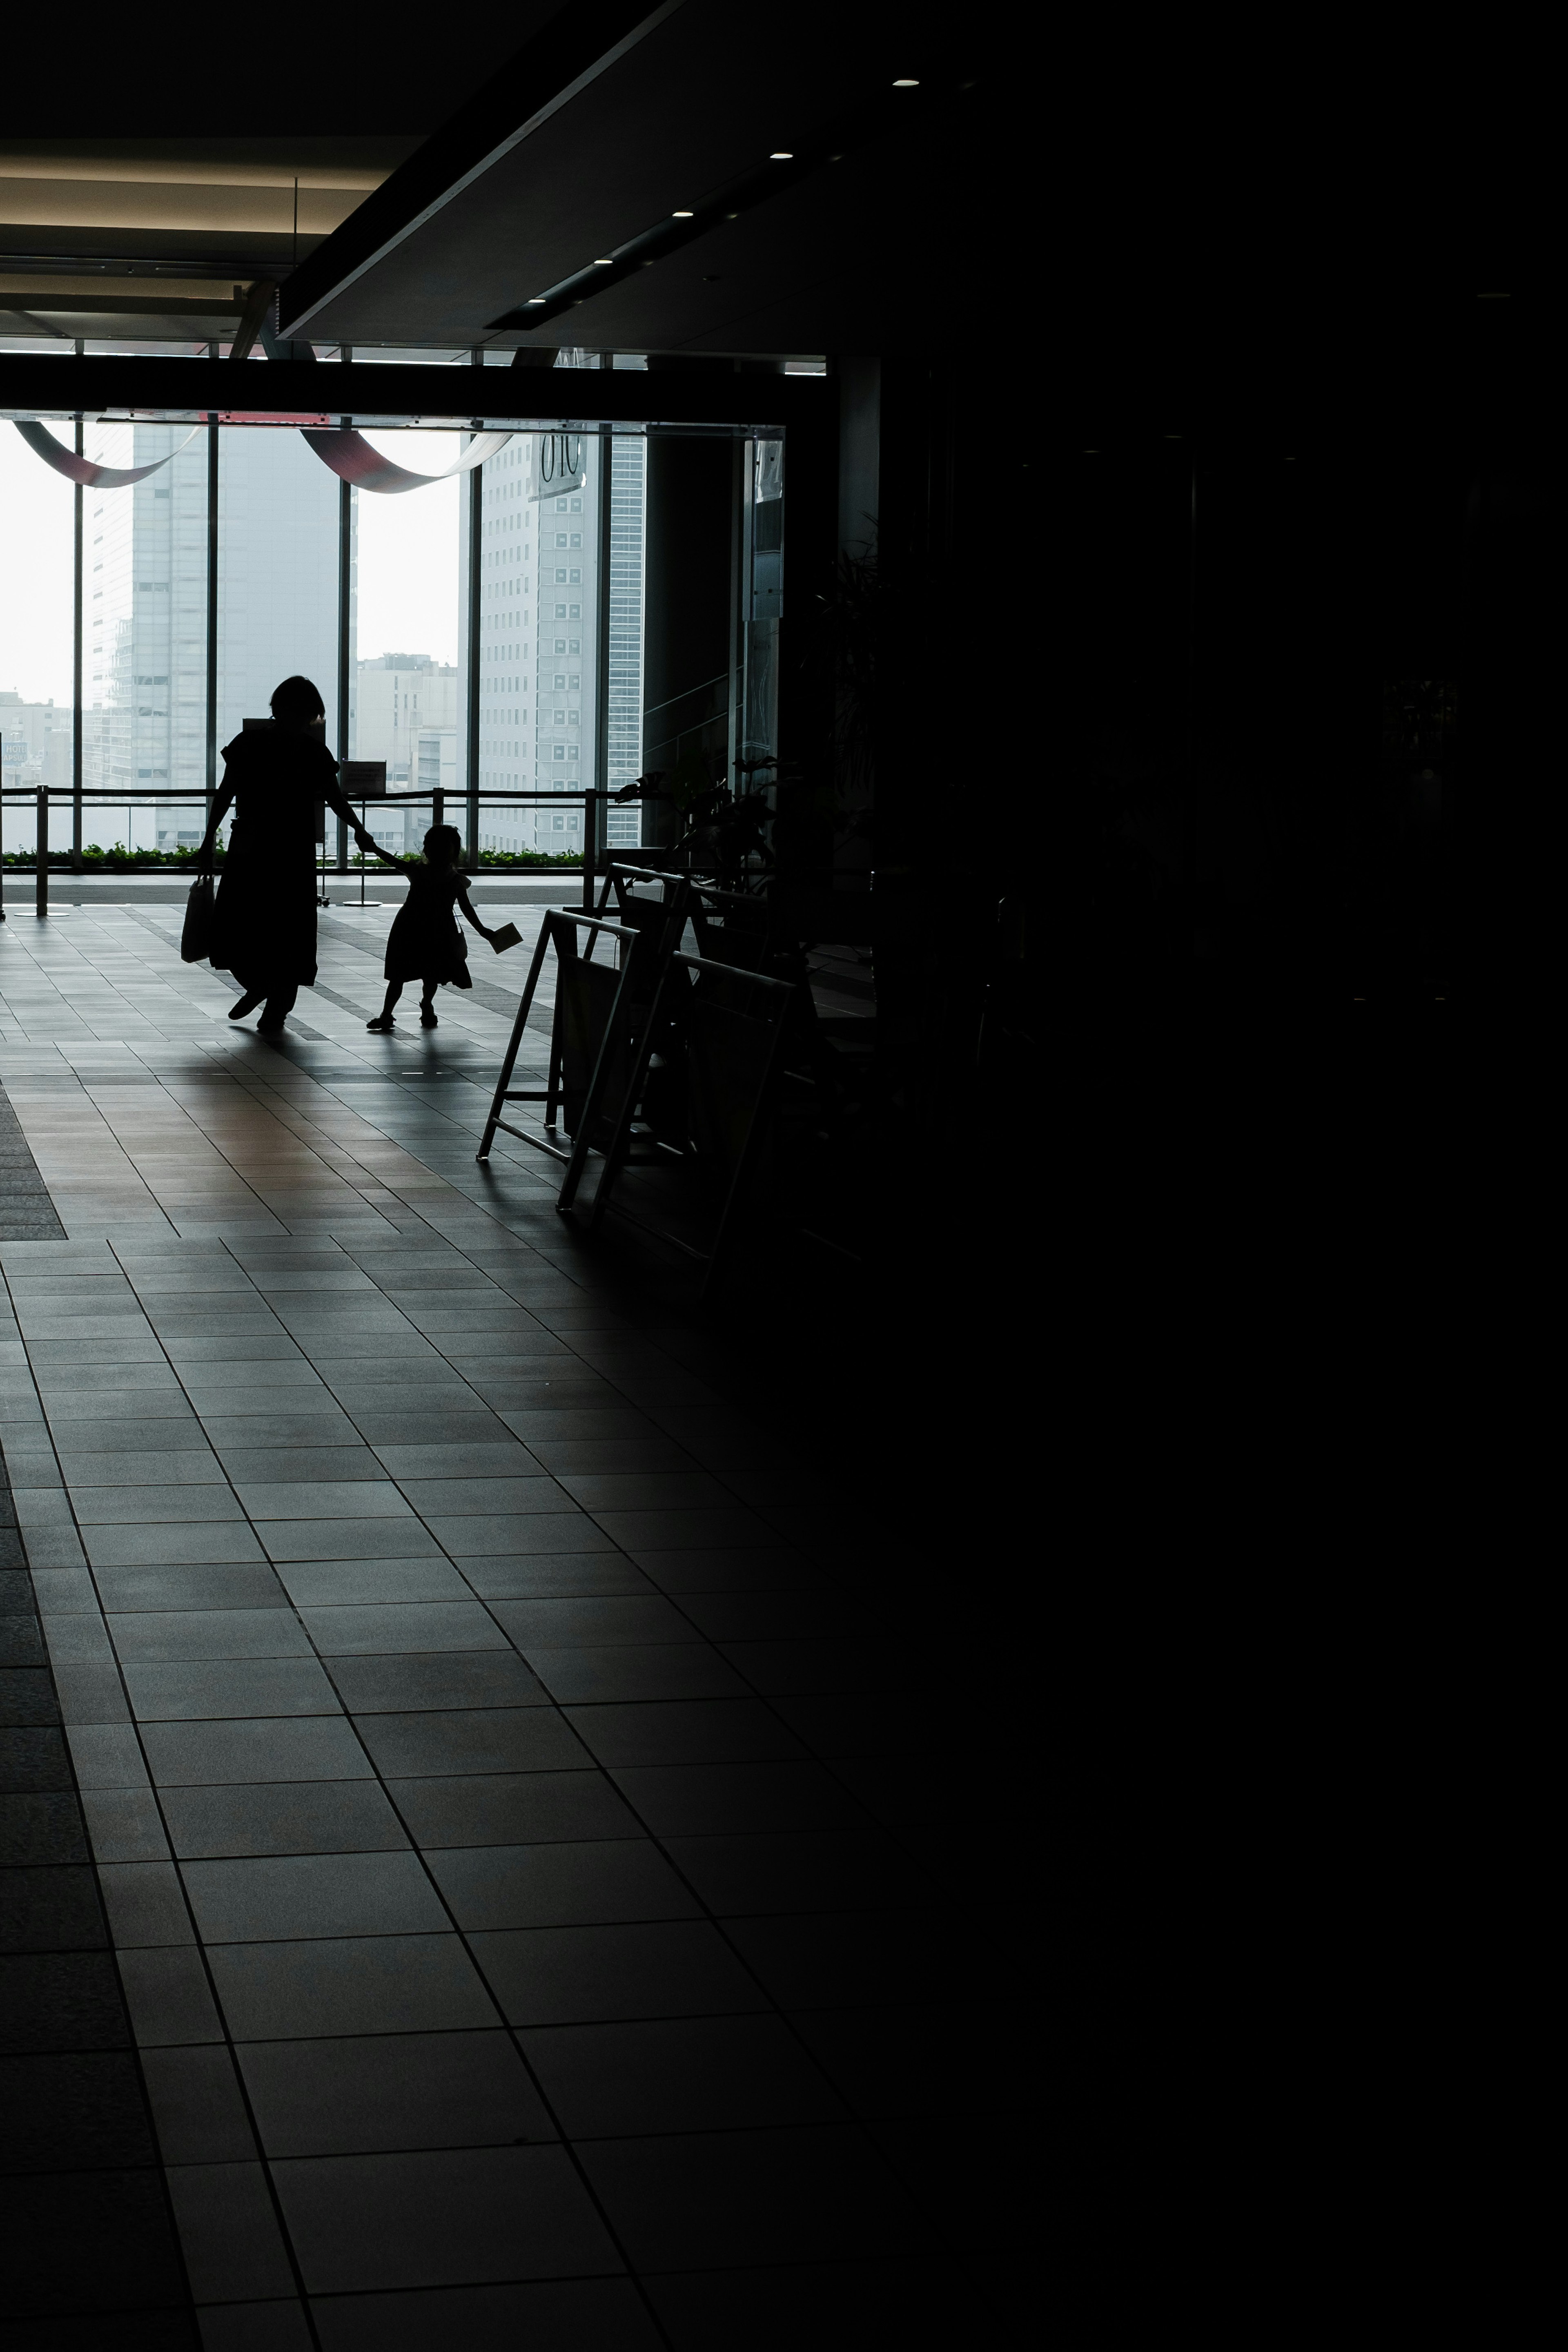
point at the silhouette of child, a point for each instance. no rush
(424, 943)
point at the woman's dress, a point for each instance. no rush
(264, 921)
(425, 942)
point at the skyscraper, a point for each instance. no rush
(539, 637)
(145, 595)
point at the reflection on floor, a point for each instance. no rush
(522, 1847)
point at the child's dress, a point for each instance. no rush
(425, 942)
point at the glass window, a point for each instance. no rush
(411, 625)
(35, 596)
(145, 637)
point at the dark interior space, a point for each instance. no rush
(985, 1732)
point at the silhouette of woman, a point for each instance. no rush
(265, 917)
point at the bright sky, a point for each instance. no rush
(408, 563)
(35, 574)
(408, 553)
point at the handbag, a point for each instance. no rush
(201, 920)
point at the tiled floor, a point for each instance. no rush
(525, 1846)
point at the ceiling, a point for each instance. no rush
(1253, 206)
(813, 178)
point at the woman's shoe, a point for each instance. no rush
(246, 1004)
(427, 1019)
(269, 1028)
(384, 1021)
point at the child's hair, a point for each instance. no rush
(443, 841)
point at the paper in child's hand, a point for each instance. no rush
(508, 936)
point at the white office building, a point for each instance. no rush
(539, 687)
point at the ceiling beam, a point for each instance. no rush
(112, 385)
(582, 42)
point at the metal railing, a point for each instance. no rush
(585, 798)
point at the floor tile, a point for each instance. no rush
(554, 1575)
(376, 1984)
(395, 1685)
(198, 2110)
(258, 1687)
(441, 2218)
(573, 1623)
(691, 1490)
(304, 1895)
(385, 2092)
(348, 1499)
(724, 2200)
(341, 1583)
(598, 2315)
(272, 1345)
(99, 1446)
(674, 1531)
(261, 1376)
(323, 1424)
(568, 1976)
(420, 1424)
(655, 1670)
(572, 1459)
(705, 1800)
(560, 1886)
(562, 1529)
(105, 1507)
(492, 1460)
(484, 1497)
(125, 1590)
(204, 1755)
(310, 1539)
(775, 1568)
(165, 1637)
(275, 1464)
(478, 1739)
(338, 1345)
(696, 1731)
(803, 1871)
(579, 1425)
(699, 2075)
(281, 1818)
(390, 1628)
(156, 1467)
(511, 1809)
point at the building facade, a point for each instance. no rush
(539, 688)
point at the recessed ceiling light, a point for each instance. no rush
(683, 216)
(782, 155)
(603, 261)
(535, 302)
(905, 83)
